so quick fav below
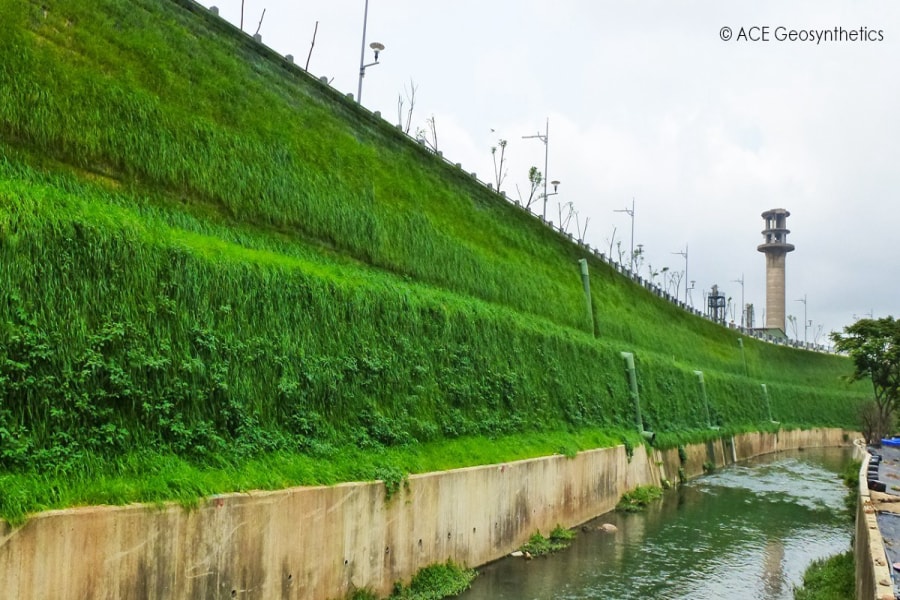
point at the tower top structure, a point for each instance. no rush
(776, 231)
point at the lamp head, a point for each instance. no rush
(555, 184)
(377, 47)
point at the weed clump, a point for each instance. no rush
(829, 578)
(393, 479)
(538, 545)
(639, 498)
(435, 582)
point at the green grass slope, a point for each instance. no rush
(207, 256)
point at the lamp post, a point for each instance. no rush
(564, 227)
(805, 322)
(685, 255)
(743, 306)
(555, 184)
(544, 137)
(376, 46)
(630, 213)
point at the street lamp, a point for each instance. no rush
(805, 322)
(545, 137)
(630, 213)
(685, 255)
(376, 46)
(743, 306)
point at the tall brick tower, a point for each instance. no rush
(775, 248)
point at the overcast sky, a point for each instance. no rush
(645, 100)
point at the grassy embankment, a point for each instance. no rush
(218, 274)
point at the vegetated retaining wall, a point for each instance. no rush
(325, 542)
(873, 574)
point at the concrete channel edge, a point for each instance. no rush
(318, 543)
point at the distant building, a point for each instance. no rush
(775, 248)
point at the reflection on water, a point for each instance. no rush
(747, 531)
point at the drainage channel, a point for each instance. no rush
(748, 531)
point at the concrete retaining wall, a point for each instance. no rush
(873, 574)
(321, 543)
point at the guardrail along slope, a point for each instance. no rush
(204, 251)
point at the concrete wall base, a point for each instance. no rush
(317, 543)
(873, 573)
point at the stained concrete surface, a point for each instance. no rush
(887, 506)
(312, 543)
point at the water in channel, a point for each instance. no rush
(747, 531)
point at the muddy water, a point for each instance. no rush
(748, 531)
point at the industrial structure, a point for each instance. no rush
(775, 248)
(716, 306)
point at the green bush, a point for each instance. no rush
(435, 582)
(538, 545)
(639, 498)
(829, 579)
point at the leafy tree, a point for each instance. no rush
(874, 347)
(874, 423)
(535, 179)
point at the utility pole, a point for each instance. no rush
(545, 137)
(805, 322)
(630, 213)
(685, 255)
(376, 46)
(743, 306)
